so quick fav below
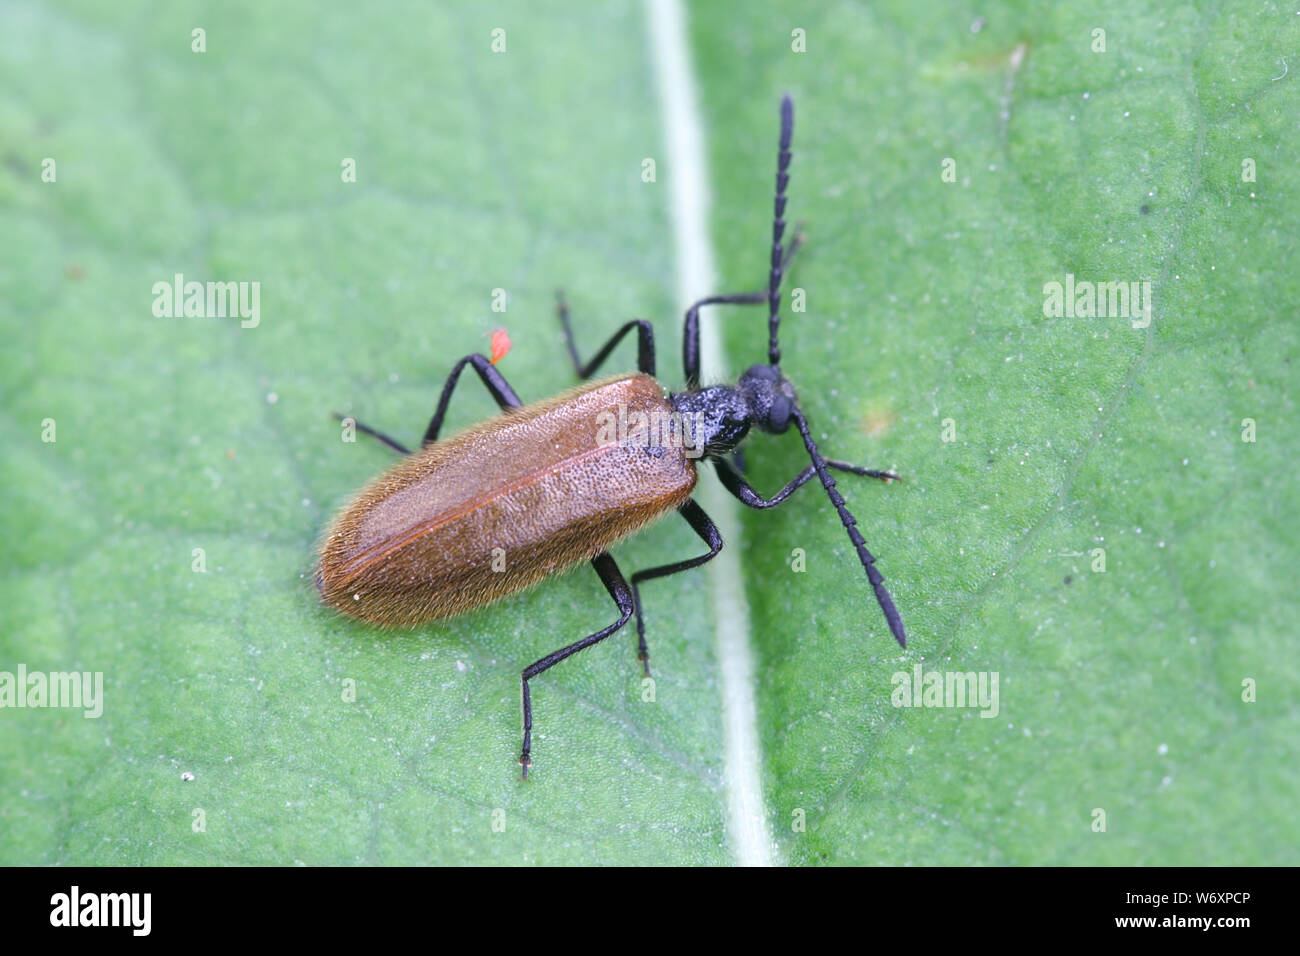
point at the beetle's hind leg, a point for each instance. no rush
(392, 443)
(618, 589)
(708, 531)
(496, 384)
(493, 380)
(645, 342)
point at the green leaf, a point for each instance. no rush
(522, 171)
(1120, 691)
(475, 171)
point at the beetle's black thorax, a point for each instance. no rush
(720, 416)
(717, 418)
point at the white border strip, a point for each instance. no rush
(687, 169)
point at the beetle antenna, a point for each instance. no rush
(851, 526)
(778, 229)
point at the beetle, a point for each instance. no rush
(469, 519)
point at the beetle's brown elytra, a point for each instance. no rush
(502, 505)
(469, 519)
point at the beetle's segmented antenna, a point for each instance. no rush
(778, 229)
(851, 526)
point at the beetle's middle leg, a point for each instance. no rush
(645, 342)
(616, 585)
(496, 384)
(707, 530)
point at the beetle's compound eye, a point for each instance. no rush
(778, 416)
(769, 396)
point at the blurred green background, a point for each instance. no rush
(1120, 690)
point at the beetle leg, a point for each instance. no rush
(392, 443)
(707, 530)
(741, 489)
(737, 485)
(618, 589)
(691, 334)
(496, 384)
(645, 344)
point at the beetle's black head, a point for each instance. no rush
(770, 397)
